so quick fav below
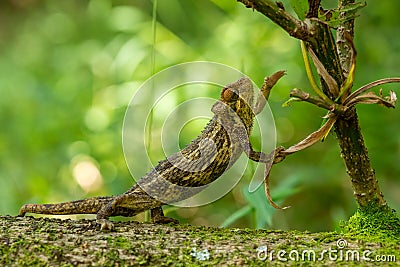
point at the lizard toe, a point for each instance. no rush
(164, 220)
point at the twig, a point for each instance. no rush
(277, 14)
(304, 96)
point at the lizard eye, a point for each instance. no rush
(229, 95)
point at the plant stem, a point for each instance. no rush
(336, 58)
(351, 141)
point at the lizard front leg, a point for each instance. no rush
(240, 135)
(262, 98)
(272, 158)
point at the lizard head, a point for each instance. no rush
(239, 94)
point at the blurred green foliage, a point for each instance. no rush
(69, 68)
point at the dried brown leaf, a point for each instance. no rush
(267, 192)
(372, 98)
(368, 86)
(332, 85)
(313, 137)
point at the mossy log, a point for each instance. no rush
(53, 242)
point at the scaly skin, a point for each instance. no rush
(188, 171)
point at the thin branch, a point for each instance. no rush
(277, 14)
(265, 90)
(343, 46)
(315, 100)
(313, 8)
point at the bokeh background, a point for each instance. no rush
(69, 68)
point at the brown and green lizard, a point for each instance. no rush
(188, 171)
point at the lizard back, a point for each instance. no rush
(207, 157)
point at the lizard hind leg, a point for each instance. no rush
(157, 216)
(130, 204)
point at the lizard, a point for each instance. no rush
(189, 170)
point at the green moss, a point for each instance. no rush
(373, 223)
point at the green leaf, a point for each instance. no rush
(237, 215)
(310, 76)
(258, 201)
(335, 17)
(300, 7)
(290, 100)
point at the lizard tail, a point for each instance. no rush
(84, 206)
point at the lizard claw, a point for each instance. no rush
(164, 220)
(106, 225)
